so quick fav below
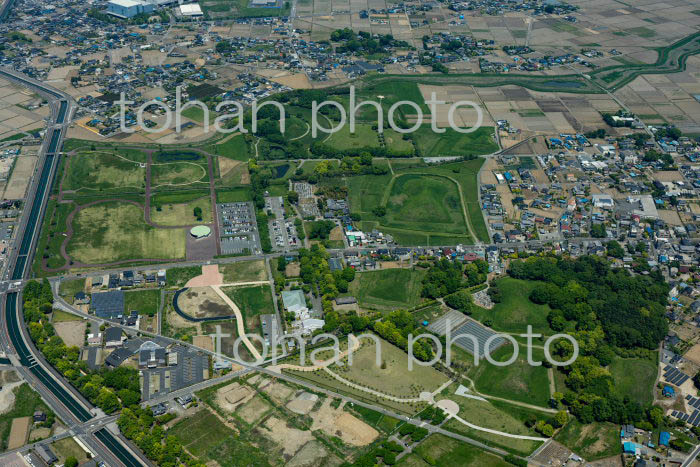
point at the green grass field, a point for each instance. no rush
(515, 311)
(425, 203)
(234, 195)
(114, 231)
(430, 191)
(519, 381)
(593, 441)
(441, 451)
(206, 438)
(146, 302)
(635, 377)
(391, 377)
(170, 214)
(178, 173)
(231, 146)
(243, 271)
(68, 288)
(253, 301)
(58, 316)
(99, 171)
(388, 289)
(453, 143)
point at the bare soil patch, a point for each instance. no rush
(253, 410)
(311, 454)
(337, 422)
(278, 392)
(203, 302)
(230, 397)
(72, 332)
(210, 276)
(291, 439)
(19, 432)
(226, 165)
(303, 403)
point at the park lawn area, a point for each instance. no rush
(453, 143)
(635, 377)
(465, 174)
(177, 173)
(68, 288)
(49, 246)
(366, 192)
(234, 195)
(253, 301)
(232, 146)
(441, 451)
(27, 401)
(388, 289)
(516, 310)
(424, 203)
(394, 140)
(592, 441)
(146, 302)
(114, 231)
(58, 316)
(101, 171)
(67, 447)
(518, 382)
(391, 377)
(183, 213)
(244, 271)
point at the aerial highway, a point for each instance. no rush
(73, 409)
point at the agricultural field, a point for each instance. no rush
(114, 231)
(452, 143)
(26, 402)
(388, 289)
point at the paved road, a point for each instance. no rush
(14, 340)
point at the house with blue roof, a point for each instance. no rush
(668, 391)
(664, 438)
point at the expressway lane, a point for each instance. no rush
(51, 385)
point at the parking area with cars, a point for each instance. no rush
(283, 232)
(238, 228)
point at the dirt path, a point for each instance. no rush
(239, 322)
(552, 386)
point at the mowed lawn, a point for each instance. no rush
(635, 377)
(388, 289)
(182, 213)
(518, 381)
(100, 171)
(593, 441)
(115, 231)
(441, 451)
(177, 173)
(516, 311)
(391, 376)
(425, 203)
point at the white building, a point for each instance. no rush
(191, 10)
(129, 8)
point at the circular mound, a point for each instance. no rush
(200, 231)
